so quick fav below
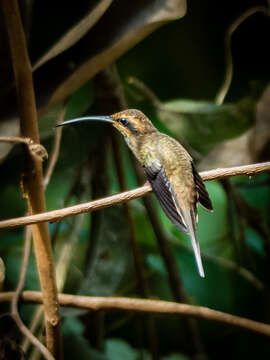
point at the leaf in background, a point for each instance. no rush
(252, 146)
(199, 125)
(209, 236)
(111, 257)
(75, 33)
(75, 345)
(260, 140)
(229, 153)
(255, 241)
(77, 141)
(12, 259)
(134, 23)
(116, 349)
(204, 295)
(202, 124)
(257, 199)
(80, 101)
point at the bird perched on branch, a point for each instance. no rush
(169, 169)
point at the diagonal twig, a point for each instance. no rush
(56, 215)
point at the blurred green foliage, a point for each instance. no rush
(180, 61)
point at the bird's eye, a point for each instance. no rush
(123, 121)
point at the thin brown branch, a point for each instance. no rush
(228, 51)
(35, 149)
(33, 174)
(56, 215)
(145, 305)
(223, 173)
(35, 322)
(44, 351)
(19, 288)
(15, 299)
(55, 153)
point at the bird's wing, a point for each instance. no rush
(181, 216)
(203, 197)
(162, 188)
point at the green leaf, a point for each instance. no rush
(81, 100)
(13, 259)
(74, 34)
(209, 235)
(110, 257)
(203, 124)
(255, 241)
(137, 22)
(75, 345)
(116, 349)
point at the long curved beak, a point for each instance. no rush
(87, 118)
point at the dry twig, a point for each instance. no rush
(145, 305)
(35, 149)
(55, 153)
(56, 215)
(14, 301)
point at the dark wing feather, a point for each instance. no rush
(161, 188)
(203, 197)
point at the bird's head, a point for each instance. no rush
(131, 123)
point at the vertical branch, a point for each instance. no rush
(32, 179)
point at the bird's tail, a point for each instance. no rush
(191, 225)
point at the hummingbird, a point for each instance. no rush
(169, 169)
